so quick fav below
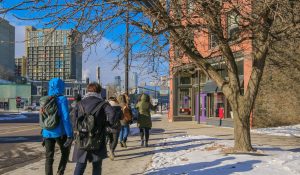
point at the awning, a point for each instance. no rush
(211, 86)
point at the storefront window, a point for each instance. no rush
(185, 101)
(185, 80)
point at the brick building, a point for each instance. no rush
(194, 96)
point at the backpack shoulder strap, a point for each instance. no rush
(81, 107)
(98, 107)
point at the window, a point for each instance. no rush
(213, 40)
(240, 67)
(190, 6)
(185, 80)
(39, 90)
(232, 24)
(177, 52)
(177, 9)
(68, 92)
(83, 91)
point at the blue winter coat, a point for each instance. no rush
(56, 87)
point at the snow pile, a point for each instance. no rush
(203, 155)
(293, 130)
(29, 112)
(134, 130)
(157, 115)
(13, 117)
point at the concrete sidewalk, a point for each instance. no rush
(135, 159)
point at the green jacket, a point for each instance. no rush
(144, 107)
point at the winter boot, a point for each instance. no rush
(111, 154)
(142, 142)
(124, 144)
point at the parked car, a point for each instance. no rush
(186, 111)
(29, 107)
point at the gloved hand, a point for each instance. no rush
(68, 142)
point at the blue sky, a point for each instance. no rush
(92, 57)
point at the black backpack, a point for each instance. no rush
(90, 136)
(117, 125)
(48, 115)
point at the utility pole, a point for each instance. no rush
(127, 51)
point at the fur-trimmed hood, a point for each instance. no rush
(113, 103)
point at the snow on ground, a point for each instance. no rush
(29, 112)
(157, 115)
(194, 155)
(134, 130)
(12, 117)
(293, 130)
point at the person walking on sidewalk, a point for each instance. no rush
(144, 119)
(113, 131)
(127, 118)
(221, 114)
(62, 134)
(91, 113)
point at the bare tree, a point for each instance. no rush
(158, 23)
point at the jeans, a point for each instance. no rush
(124, 133)
(144, 132)
(80, 168)
(50, 150)
(113, 140)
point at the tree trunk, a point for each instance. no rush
(242, 138)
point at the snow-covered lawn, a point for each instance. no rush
(293, 130)
(202, 155)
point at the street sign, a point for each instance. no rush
(164, 92)
(18, 99)
(18, 102)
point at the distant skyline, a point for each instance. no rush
(92, 57)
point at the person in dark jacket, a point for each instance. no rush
(114, 131)
(104, 115)
(123, 100)
(144, 119)
(62, 134)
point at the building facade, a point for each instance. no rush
(7, 50)
(53, 53)
(133, 80)
(193, 95)
(10, 91)
(21, 67)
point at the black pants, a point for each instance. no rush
(113, 140)
(50, 150)
(80, 168)
(144, 132)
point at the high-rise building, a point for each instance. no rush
(53, 53)
(7, 50)
(133, 80)
(117, 81)
(21, 67)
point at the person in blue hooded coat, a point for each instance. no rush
(62, 134)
